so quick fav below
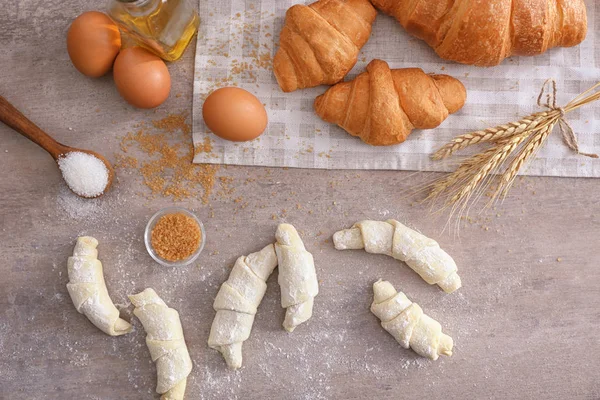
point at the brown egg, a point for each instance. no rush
(93, 42)
(141, 78)
(234, 114)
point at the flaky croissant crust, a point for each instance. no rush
(382, 106)
(485, 32)
(319, 43)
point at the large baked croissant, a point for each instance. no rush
(485, 32)
(319, 43)
(382, 106)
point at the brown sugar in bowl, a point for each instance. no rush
(174, 237)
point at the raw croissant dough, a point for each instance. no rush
(407, 323)
(164, 337)
(419, 252)
(237, 301)
(88, 290)
(297, 277)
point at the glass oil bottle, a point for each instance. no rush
(164, 27)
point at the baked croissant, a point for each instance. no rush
(382, 106)
(319, 43)
(407, 323)
(485, 32)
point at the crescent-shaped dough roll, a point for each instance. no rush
(407, 323)
(88, 289)
(164, 337)
(237, 301)
(422, 254)
(297, 277)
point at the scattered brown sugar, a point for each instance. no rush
(126, 161)
(204, 147)
(166, 161)
(176, 237)
(172, 123)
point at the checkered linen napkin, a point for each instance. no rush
(238, 39)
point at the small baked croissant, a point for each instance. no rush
(485, 32)
(319, 43)
(382, 106)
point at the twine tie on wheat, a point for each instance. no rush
(568, 135)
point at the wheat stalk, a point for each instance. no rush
(514, 143)
(489, 135)
(495, 157)
(440, 185)
(534, 144)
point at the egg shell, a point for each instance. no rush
(93, 42)
(141, 77)
(234, 114)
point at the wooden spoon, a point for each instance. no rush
(13, 118)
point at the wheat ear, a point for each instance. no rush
(462, 173)
(532, 146)
(493, 158)
(490, 135)
(514, 143)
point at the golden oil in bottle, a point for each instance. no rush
(164, 27)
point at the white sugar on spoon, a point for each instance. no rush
(85, 174)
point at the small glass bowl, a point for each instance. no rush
(148, 237)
